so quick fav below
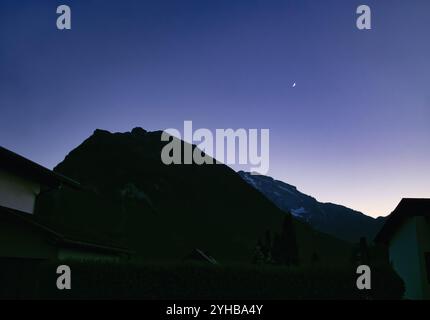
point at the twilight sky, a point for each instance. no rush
(354, 131)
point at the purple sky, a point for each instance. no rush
(355, 130)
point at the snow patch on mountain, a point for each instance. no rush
(251, 181)
(294, 193)
(337, 220)
(298, 212)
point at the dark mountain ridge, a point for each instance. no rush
(337, 220)
(163, 212)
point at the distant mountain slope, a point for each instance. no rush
(336, 220)
(165, 212)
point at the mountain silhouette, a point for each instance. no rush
(339, 221)
(165, 212)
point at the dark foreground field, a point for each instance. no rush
(97, 280)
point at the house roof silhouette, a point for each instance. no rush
(408, 207)
(58, 237)
(28, 169)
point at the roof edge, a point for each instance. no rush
(407, 207)
(24, 167)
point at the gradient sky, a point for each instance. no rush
(355, 130)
